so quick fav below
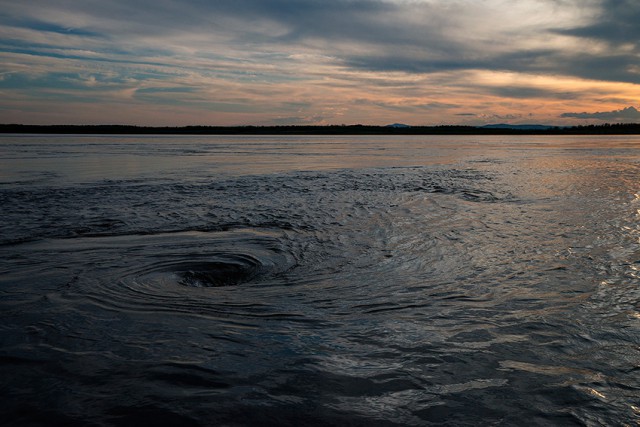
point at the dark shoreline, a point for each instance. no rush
(605, 129)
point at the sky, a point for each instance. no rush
(319, 62)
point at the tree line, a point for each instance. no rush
(603, 129)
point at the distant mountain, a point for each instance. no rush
(398, 125)
(517, 127)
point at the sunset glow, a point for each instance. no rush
(262, 62)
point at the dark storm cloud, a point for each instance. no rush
(629, 113)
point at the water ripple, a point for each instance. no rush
(493, 291)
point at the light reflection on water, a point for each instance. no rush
(320, 280)
(87, 158)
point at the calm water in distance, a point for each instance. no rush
(300, 280)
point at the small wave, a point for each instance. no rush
(295, 201)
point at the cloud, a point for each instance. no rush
(408, 59)
(373, 35)
(295, 120)
(629, 113)
(611, 40)
(615, 23)
(411, 36)
(530, 92)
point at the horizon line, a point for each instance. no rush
(342, 129)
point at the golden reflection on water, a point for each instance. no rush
(551, 370)
(87, 158)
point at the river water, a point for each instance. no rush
(287, 280)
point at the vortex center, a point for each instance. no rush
(217, 274)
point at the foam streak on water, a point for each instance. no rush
(319, 280)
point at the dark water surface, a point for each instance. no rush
(319, 280)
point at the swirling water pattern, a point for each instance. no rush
(319, 280)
